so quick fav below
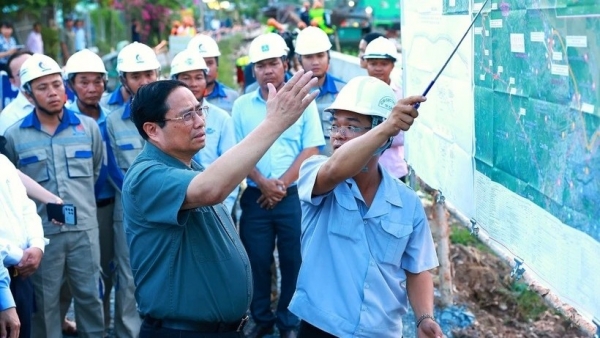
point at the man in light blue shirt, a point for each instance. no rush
(87, 77)
(312, 47)
(189, 67)
(80, 39)
(270, 205)
(9, 321)
(364, 233)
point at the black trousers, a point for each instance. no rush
(156, 331)
(308, 331)
(22, 291)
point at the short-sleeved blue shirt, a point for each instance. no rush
(222, 96)
(355, 258)
(187, 264)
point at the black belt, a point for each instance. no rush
(204, 327)
(104, 202)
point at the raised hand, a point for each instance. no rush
(286, 105)
(403, 114)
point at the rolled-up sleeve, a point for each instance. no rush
(307, 178)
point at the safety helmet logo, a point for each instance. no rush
(387, 102)
(139, 59)
(264, 48)
(189, 61)
(201, 48)
(43, 66)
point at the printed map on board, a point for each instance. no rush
(537, 104)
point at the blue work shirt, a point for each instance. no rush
(113, 101)
(124, 138)
(222, 97)
(103, 189)
(187, 264)
(67, 163)
(354, 258)
(6, 298)
(327, 94)
(220, 137)
(251, 109)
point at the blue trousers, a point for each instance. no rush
(260, 229)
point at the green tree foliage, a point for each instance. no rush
(250, 9)
(110, 28)
(51, 42)
(37, 6)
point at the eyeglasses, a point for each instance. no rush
(347, 130)
(189, 115)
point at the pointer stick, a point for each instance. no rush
(451, 55)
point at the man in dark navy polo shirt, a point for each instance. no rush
(192, 274)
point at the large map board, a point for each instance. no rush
(530, 94)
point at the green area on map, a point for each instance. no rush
(537, 104)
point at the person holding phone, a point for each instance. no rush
(63, 152)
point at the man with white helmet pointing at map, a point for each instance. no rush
(366, 244)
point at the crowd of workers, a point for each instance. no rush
(154, 171)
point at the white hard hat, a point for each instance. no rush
(38, 65)
(137, 57)
(365, 95)
(204, 44)
(278, 39)
(266, 46)
(84, 61)
(187, 60)
(381, 48)
(312, 40)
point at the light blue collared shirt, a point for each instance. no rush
(220, 137)
(6, 298)
(222, 97)
(103, 189)
(354, 258)
(251, 109)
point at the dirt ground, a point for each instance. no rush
(482, 282)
